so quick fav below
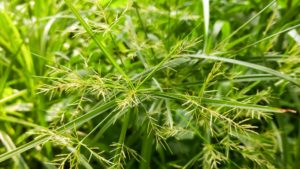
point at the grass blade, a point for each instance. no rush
(8, 143)
(288, 29)
(193, 160)
(18, 94)
(19, 121)
(246, 23)
(237, 79)
(254, 66)
(220, 102)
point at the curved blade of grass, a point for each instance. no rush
(13, 96)
(97, 41)
(5, 45)
(219, 102)
(232, 44)
(8, 70)
(77, 122)
(8, 143)
(192, 161)
(288, 29)
(267, 57)
(104, 128)
(19, 121)
(146, 150)
(254, 66)
(18, 45)
(246, 23)
(106, 117)
(242, 78)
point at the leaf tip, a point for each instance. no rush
(288, 110)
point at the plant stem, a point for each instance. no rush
(146, 149)
(123, 134)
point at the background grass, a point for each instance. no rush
(149, 84)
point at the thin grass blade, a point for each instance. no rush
(251, 65)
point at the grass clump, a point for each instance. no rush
(138, 84)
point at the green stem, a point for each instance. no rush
(123, 134)
(146, 149)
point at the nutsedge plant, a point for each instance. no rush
(149, 84)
